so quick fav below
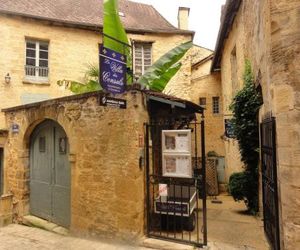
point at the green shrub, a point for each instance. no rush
(243, 186)
(245, 106)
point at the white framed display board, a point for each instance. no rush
(176, 153)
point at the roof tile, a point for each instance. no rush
(138, 16)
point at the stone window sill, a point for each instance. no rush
(36, 81)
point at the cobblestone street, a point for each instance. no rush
(15, 237)
(229, 228)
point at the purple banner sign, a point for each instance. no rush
(112, 70)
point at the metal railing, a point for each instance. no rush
(35, 71)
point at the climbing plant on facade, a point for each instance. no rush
(245, 106)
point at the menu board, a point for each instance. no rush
(176, 152)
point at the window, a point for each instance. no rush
(202, 101)
(36, 67)
(216, 105)
(142, 58)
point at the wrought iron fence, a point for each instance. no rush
(180, 214)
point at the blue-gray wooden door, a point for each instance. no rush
(50, 176)
(221, 170)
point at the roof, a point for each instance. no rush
(89, 14)
(230, 11)
(169, 99)
(160, 98)
(204, 60)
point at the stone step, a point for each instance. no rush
(33, 221)
(163, 245)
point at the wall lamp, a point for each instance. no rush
(7, 78)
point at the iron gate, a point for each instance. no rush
(181, 215)
(269, 181)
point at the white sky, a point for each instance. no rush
(204, 17)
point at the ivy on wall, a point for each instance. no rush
(245, 106)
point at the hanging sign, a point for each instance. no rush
(112, 102)
(229, 131)
(112, 70)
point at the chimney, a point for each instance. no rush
(183, 18)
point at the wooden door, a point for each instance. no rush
(50, 174)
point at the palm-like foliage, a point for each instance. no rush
(160, 73)
(90, 84)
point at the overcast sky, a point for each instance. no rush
(204, 17)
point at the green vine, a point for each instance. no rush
(245, 106)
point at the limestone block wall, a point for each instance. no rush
(180, 85)
(285, 93)
(267, 33)
(107, 184)
(209, 86)
(71, 50)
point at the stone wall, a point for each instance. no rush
(267, 33)
(70, 52)
(107, 184)
(209, 86)
(285, 93)
(181, 85)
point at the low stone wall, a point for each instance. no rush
(107, 183)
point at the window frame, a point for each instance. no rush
(38, 76)
(202, 99)
(143, 45)
(216, 105)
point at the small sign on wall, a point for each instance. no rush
(112, 102)
(15, 128)
(229, 130)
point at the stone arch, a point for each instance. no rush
(31, 124)
(34, 124)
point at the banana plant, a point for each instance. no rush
(90, 84)
(155, 78)
(159, 74)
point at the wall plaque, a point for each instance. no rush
(15, 128)
(176, 153)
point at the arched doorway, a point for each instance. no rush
(50, 174)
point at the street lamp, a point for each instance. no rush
(7, 78)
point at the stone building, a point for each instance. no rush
(79, 164)
(42, 44)
(267, 34)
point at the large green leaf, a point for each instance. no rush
(160, 83)
(113, 27)
(160, 73)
